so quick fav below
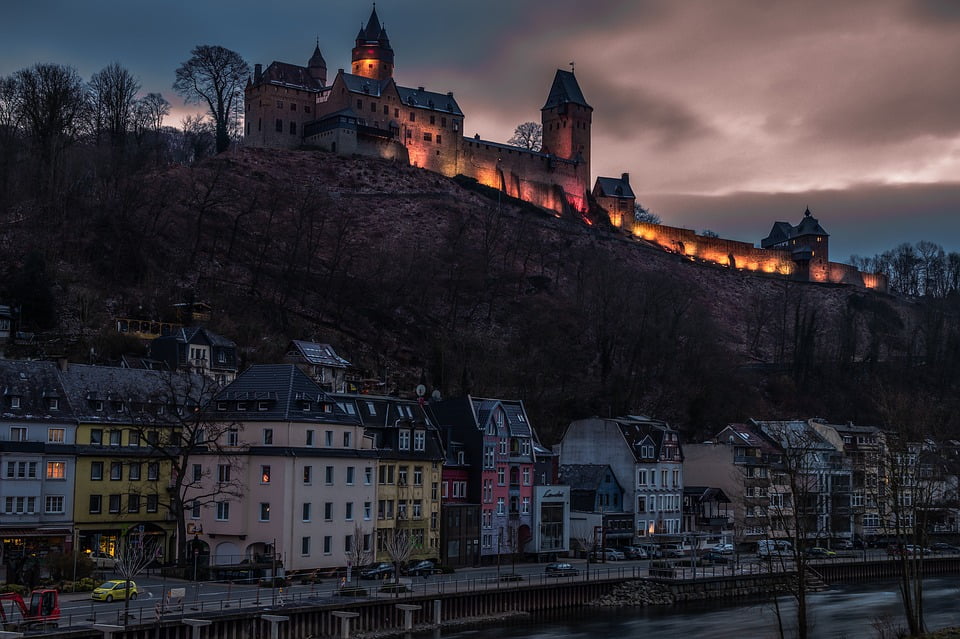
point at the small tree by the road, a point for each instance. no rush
(214, 76)
(359, 554)
(528, 135)
(399, 546)
(133, 558)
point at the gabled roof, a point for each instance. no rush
(294, 75)
(198, 335)
(319, 354)
(586, 476)
(419, 97)
(87, 385)
(34, 384)
(380, 411)
(565, 90)
(286, 390)
(784, 231)
(613, 187)
(363, 85)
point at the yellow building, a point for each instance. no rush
(409, 466)
(121, 479)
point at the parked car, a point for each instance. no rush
(916, 550)
(559, 569)
(818, 552)
(102, 560)
(843, 544)
(383, 570)
(421, 568)
(115, 589)
(943, 547)
(716, 557)
(608, 554)
(635, 552)
(723, 549)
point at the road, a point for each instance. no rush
(207, 597)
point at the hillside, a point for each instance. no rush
(413, 276)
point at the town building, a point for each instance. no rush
(459, 515)
(646, 458)
(320, 362)
(409, 463)
(293, 476)
(125, 422)
(37, 431)
(199, 350)
(498, 443)
(617, 197)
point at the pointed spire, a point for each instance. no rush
(372, 32)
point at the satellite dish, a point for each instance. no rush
(421, 390)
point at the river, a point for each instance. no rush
(842, 612)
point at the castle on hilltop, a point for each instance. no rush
(365, 112)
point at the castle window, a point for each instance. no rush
(413, 116)
(373, 107)
(443, 122)
(427, 137)
(259, 124)
(359, 104)
(438, 138)
(433, 119)
(306, 108)
(279, 125)
(386, 110)
(293, 106)
(279, 104)
(409, 133)
(396, 113)
(293, 128)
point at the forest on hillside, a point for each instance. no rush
(414, 277)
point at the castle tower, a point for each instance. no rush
(317, 66)
(373, 57)
(566, 118)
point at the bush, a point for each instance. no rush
(446, 570)
(17, 588)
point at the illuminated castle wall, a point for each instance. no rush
(786, 261)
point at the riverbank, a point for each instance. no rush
(453, 625)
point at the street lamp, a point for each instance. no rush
(196, 555)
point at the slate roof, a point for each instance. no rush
(442, 102)
(319, 354)
(363, 85)
(637, 429)
(293, 75)
(35, 384)
(614, 187)
(374, 32)
(285, 387)
(565, 90)
(197, 335)
(784, 231)
(316, 60)
(86, 385)
(585, 476)
(379, 411)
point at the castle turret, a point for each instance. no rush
(566, 119)
(317, 66)
(373, 57)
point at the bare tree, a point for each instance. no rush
(399, 546)
(155, 108)
(51, 103)
(214, 76)
(644, 215)
(360, 553)
(528, 135)
(113, 92)
(133, 558)
(183, 435)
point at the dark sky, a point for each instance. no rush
(728, 114)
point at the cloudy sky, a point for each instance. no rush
(728, 114)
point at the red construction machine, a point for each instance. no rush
(43, 611)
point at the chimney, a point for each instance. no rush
(625, 178)
(420, 89)
(257, 72)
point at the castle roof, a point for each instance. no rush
(374, 32)
(316, 60)
(784, 231)
(292, 75)
(364, 85)
(429, 100)
(565, 90)
(614, 187)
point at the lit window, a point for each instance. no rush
(265, 474)
(56, 470)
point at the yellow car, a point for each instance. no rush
(114, 589)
